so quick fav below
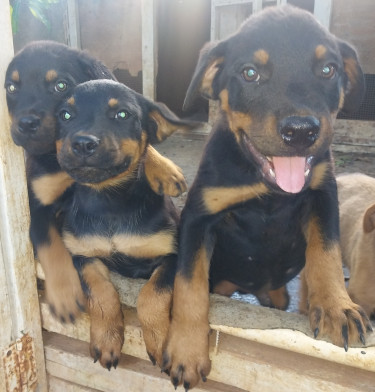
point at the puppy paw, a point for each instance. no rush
(186, 357)
(64, 294)
(106, 342)
(154, 309)
(340, 319)
(167, 179)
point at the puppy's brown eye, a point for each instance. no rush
(11, 88)
(60, 86)
(250, 74)
(328, 71)
(122, 115)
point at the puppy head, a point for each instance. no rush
(37, 80)
(105, 128)
(280, 82)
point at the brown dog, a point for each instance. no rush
(357, 226)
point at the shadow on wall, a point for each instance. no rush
(183, 28)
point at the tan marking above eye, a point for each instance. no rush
(51, 75)
(71, 101)
(261, 56)
(113, 102)
(15, 76)
(320, 51)
(217, 199)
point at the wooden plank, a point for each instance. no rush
(354, 136)
(228, 364)
(68, 359)
(73, 27)
(18, 295)
(322, 12)
(149, 49)
(242, 364)
(58, 385)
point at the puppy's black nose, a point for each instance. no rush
(29, 123)
(299, 132)
(85, 146)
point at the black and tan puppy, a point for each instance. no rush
(37, 80)
(264, 201)
(115, 219)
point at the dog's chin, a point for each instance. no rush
(89, 175)
(94, 174)
(287, 174)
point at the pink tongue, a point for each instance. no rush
(290, 173)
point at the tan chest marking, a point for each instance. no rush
(147, 246)
(217, 199)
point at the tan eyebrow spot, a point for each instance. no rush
(113, 102)
(51, 75)
(261, 56)
(71, 101)
(15, 76)
(320, 51)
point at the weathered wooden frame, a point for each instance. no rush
(252, 348)
(21, 345)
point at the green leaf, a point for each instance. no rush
(15, 10)
(38, 9)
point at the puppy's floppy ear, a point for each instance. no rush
(204, 81)
(355, 84)
(160, 122)
(369, 219)
(93, 68)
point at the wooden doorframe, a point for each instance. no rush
(22, 364)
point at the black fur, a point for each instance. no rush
(113, 213)
(36, 99)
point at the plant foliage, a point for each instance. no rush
(38, 8)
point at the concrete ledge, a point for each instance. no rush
(251, 347)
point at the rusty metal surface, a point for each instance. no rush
(20, 366)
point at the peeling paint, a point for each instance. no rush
(20, 366)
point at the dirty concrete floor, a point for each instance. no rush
(185, 149)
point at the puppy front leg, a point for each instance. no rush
(186, 355)
(163, 175)
(154, 308)
(63, 287)
(104, 308)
